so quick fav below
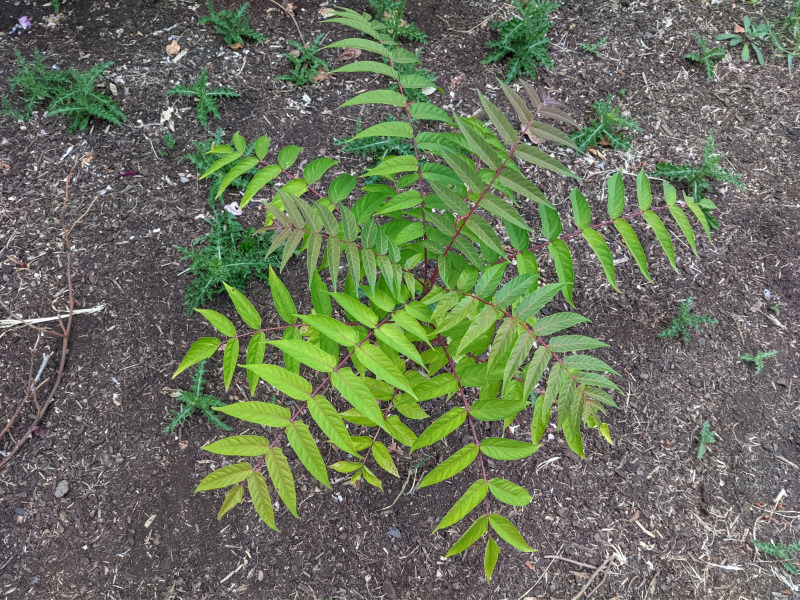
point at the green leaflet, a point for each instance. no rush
(587, 363)
(246, 310)
(229, 359)
(557, 322)
(663, 236)
(471, 535)
(600, 248)
(240, 169)
(303, 444)
(357, 394)
(370, 478)
(257, 183)
(683, 223)
(393, 165)
(506, 449)
(427, 111)
(308, 354)
(288, 156)
(368, 66)
(382, 366)
(339, 332)
(255, 355)
(514, 290)
(262, 413)
(239, 445)
(478, 327)
(282, 479)
(200, 350)
(399, 431)
(314, 170)
(381, 455)
(580, 209)
(451, 466)
(232, 498)
(551, 222)
(509, 492)
(441, 427)
(230, 475)
(339, 190)
(644, 194)
(562, 259)
(354, 308)
(518, 355)
(535, 369)
(261, 146)
(574, 343)
(464, 505)
(361, 44)
(531, 304)
(570, 416)
(287, 382)
(499, 120)
(508, 532)
(490, 558)
(218, 321)
(534, 156)
(399, 129)
(616, 195)
(257, 486)
(394, 337)
(283, 300)
(328, 419)
(388, 97)
(634, 246)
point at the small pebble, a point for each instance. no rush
(61, 489)
(395, 533)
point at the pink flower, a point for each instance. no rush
(24, 21)
(233, 208)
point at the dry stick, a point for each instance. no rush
(42, 410)
(291, 16)
(594, 576)
(28, 387)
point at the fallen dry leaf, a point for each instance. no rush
(322, 76)
(236, 46)
(738, 29)
(173, 48)
(326, 13)
(349, 53)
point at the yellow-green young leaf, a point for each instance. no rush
(508, 532)
(507, 449)
(383, 367)
(200, 350)
(471, 535)
(570, 416)
(464, 505)
(282, 479)
(239, 445)
(339, 190)
(255, 355)
(699, 214)
(287, 382)
(361, 44)
(262, 146)
(317, 168)
(632, 242)
(395, 338)
(349, 385)
(398, 129)
(441, 427)
(218, 321)
(282, 298)
(600, 248)
(369, 66)
(307, 353)
(490, 558)
(411, 325)
(225, 160)
(616, 195)
(328, 419)
(232, 498)
(683, 223)
(262, 413)
(354, 308)
(581, 212)
(230, 475)
(239, 142)
(644, 195)
(371, 479)
(557, 322)
(259, 180)
(509, 492)
(603, 428)
(399, 431)
(451, 466)
(241, 168)
(288, 155)
(562, 259)
(229, 359)
(339, 332)
(257, 486)
(345, 466)
(663, 236)
(303, 444)
(289, 361)
(246, 310)
(393, 165)
(381, 455)
(518, 355)
(389, 97)
(427, 111)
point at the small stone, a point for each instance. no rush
(61, 489)
(781, 381)
(644, 376)
(395, 533)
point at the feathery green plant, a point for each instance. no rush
(523, 39)
(707, 56)
(783, 552)
(66, 92)
(392, 14)
(305, 63)
(609, 128)
(206, 99)
(195, 400)
(758, 359)
(429, 302)
(595, 47)
(685, 322)
(228, 253)
(56, 4)
(705, 438)
(234, 26)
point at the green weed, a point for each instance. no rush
(195, 400)
(685, 322)
(707, 56)
(783, 552)
(234, 26)
(594, 48)
(758, 359)
(609, 128)
(705, 438)
(206, 99)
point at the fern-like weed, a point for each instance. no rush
(306, 65)
(705, 438)
(195, 400)
(783, 552)
(609, 129)
(522, 40)
(707, 56)
(595, 47)
(758, 359)
(233, 25)
(685, 322)
(392, 14)
(206, 99)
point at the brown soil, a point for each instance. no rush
(130, 527)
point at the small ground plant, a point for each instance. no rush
(195, 400)
(707, 56)
(233, 25)
(758, 359)
(685, 322)
(416, 296)
(205, 98)
(609, 129)
(595, 47)
(67, 92)
(705, 438)
(783, 552)
(522, 41)
(306, 65)
(392, 14)
(753, 36)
